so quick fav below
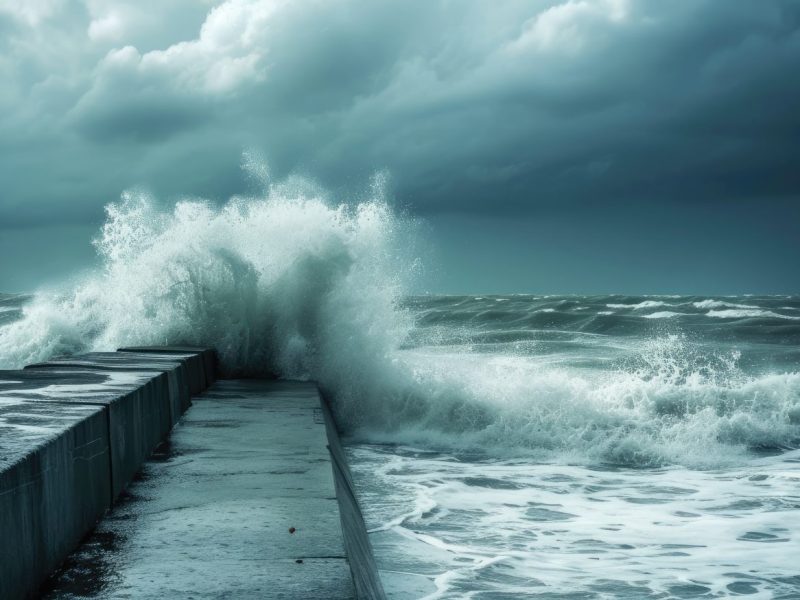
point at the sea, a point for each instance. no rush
(611, 447)
(503, 446)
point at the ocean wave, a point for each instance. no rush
(673, 405)
(288, 283)
(641, 305)
(710, 303)
(664, 314)
(748, 314)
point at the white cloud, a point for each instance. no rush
(110, 27)
(569, 27)
(229, 51)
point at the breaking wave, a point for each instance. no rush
(749, 313)
(641, 305)
(664, 314)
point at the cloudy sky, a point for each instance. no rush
(549, 145)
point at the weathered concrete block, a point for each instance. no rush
(73, 432)
(202, 361)
(55, 484)
(174, 366)
(354, 531)
(137, 402)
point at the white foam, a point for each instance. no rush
(562, 529)
(664, 314)
(720, 304)
(641, 305)
(748, 314)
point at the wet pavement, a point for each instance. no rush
(238, 503)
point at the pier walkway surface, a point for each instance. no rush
(249, 496)
(239, 503)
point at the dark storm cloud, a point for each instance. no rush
(472, 106)
(146, 119)
(484, 108)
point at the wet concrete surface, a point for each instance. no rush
(240, 503)
(55, 484)
(138, 404)
(73, 433)
(184, 372)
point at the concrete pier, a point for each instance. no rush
(73, 433)
(248, 499)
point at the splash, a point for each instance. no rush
(288, 283)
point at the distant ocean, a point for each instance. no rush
(503, 446)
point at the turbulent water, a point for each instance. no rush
(604, 447)
(504, 446)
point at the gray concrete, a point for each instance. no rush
(178, 369)
(202, 362)
(211, 515)
(138, 406)
(55, 483)
(73, 433)
(356, 541)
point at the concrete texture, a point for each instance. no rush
(73, 432)
(177, 368)
(356, 541)
(212, 514)
(202, 361)
(55, 484)
(138, 406)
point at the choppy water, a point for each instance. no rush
(650, 452)
(582, 447)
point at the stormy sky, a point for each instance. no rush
(549, 146)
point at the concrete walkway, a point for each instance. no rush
(239, 503)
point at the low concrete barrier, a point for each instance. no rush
(356, 541)
(73, 432)
(184, 372)
(137, 405)
(54, 485)
(203, 361)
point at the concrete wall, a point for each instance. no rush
(356, 541)
(73, 432)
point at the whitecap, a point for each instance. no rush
(748, 314)
(721, 304)
(641, 305)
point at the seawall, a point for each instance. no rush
(73, 433)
